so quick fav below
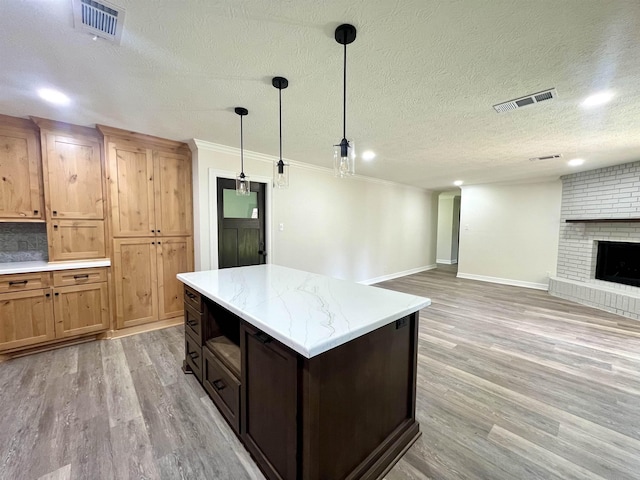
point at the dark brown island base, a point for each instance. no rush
(316, 378)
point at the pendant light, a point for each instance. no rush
(243, 185)
(344, 154)
(280, 168)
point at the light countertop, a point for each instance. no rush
(42, 266)
(309, 313)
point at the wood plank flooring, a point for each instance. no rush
(512, 384)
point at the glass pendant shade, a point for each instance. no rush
(243, 185)
(344, 159)
(280, 174)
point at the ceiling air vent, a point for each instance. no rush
(525, 101)
(100, 19)
(547, 157)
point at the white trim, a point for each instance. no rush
(446, 262)
(391, 276)
(214, 174)
(504, 281)
(262, 157)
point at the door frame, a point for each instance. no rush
(214, 174)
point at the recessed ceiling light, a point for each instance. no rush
(576, 162)
(54, 96)
(368, 155)
(457, 183)
(596, 99)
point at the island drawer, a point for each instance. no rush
(193, 323)
(193, 299)
(223, 388)
(80, 276)
(24, 281)
(193, 356)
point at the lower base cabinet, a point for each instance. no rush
(26, 318)
(77, 304)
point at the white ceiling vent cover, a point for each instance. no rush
(546, 157)
(526, 101)
(102, 19)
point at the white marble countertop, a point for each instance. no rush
(309, 313)
(42, 266)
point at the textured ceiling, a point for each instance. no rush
(423, 76)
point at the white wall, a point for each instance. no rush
(509, 233)
(358, 229)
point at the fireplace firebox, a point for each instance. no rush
(619, 262)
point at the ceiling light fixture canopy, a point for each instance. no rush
(344, 154)
(243, 185)
(280, 168)
(54, 96)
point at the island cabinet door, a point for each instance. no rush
(269, 403)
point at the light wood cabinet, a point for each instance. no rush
(151, 220)
(150, 191)
(73, 171)
(77, 239)
(21, 196)
(173, 256)
(131, 191)
(81, 309)
(135, 278)
(145, 278)
(172, 189)
(26, 318)
(31, 312)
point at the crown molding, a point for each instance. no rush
(196, 144)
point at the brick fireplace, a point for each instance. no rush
(597, 206)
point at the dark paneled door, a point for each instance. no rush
(241, 225)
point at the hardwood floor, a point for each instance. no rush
(512, 384)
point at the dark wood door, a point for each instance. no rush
(269, 403)
(241, 225)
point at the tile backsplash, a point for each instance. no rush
(23, 242)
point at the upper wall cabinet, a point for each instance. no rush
(21, 196)
(150, 185)
(73, 171)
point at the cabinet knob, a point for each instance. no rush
(35, 212)
(153, 243)
(159, 243)
(55, 227)
(158, 231)
(56, 294)
(153, 231)
(55, 212)
(47, 295)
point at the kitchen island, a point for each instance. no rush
(317, 376)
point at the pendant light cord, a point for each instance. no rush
(241, 148)
(344, 95)
(280, 112)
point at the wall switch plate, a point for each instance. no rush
(281, 227)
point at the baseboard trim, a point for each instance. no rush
(446, 262)
(391, 276)
(504, 281)
(147, 327)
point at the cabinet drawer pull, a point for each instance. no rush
(262, 337)
(193, 355)
(219, 384)
(191, 295)
(55, 212)
(78, 277)
(192, 323)
(35, 212)
(18, 282)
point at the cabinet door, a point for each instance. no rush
(73, 171)
(20, 191)
(136, 285)
(81, 309)
(131, 181)
(172, 186)
(174, 256)
(26, 318)
(269, 403)
(76, 239)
